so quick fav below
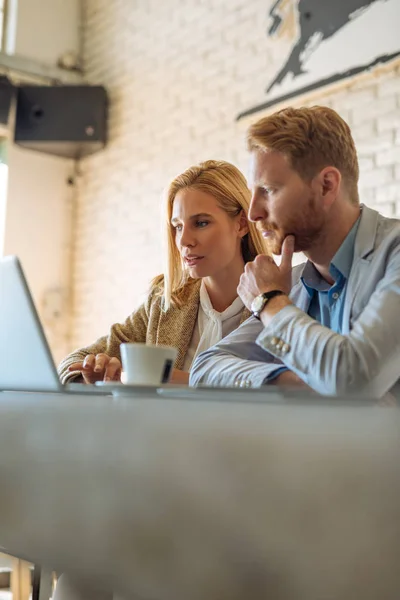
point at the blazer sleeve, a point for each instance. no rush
(134, 329)
(236, 361)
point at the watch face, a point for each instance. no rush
(258, 304)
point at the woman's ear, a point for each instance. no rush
(243, 224)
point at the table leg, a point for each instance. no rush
(42, 587)
(20, 579)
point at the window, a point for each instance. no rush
(3, 190)
(3, 22)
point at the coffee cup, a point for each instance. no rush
(145, 364)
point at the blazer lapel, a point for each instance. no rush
(364, 245)
(298, 294)
(300, 297)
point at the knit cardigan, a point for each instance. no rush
(148, 324)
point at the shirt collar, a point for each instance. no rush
(340, 264)
(343, 258)
(235, 308)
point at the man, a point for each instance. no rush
(332, 323)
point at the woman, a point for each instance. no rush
(195, 303)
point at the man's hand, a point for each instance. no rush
(263, 274)
(98, 368)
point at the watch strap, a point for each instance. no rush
(267, 297)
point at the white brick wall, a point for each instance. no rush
(178, 73)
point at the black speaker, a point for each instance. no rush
(7, 92)
(67, 120)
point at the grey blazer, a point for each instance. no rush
(364, 359)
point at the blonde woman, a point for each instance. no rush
(194, 304)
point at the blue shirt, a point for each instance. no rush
(327, 300)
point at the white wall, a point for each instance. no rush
(38, 215)
(38, 231)
(47, 28)
(178, 73)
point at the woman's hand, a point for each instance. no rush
(98, 368)
(178, 376)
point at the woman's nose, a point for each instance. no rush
(187, 238)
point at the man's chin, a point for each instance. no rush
(274, 246)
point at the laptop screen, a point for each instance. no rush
(25, 357)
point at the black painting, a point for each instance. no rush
(317, 19)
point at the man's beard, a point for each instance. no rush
(306, 228)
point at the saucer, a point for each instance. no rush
(117, 388)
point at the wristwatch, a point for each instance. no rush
(259, 302)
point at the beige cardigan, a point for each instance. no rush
(148, 324)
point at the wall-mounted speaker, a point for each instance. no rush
(67, 120)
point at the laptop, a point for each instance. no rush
(26, 362)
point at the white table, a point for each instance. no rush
(164, 498)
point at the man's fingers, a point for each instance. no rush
(287, 253)
(242, 289)
(260, 261)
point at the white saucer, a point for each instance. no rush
(117, 388)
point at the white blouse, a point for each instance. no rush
(211, 326)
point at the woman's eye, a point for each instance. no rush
(178, 227)
(202, 223)
(268, 190)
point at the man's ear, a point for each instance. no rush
(329, 182)
(243, 224)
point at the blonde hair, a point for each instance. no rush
(228, 186)
(311, 138)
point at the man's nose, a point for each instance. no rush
(257, 210)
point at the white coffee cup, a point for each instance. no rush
(145, 364)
